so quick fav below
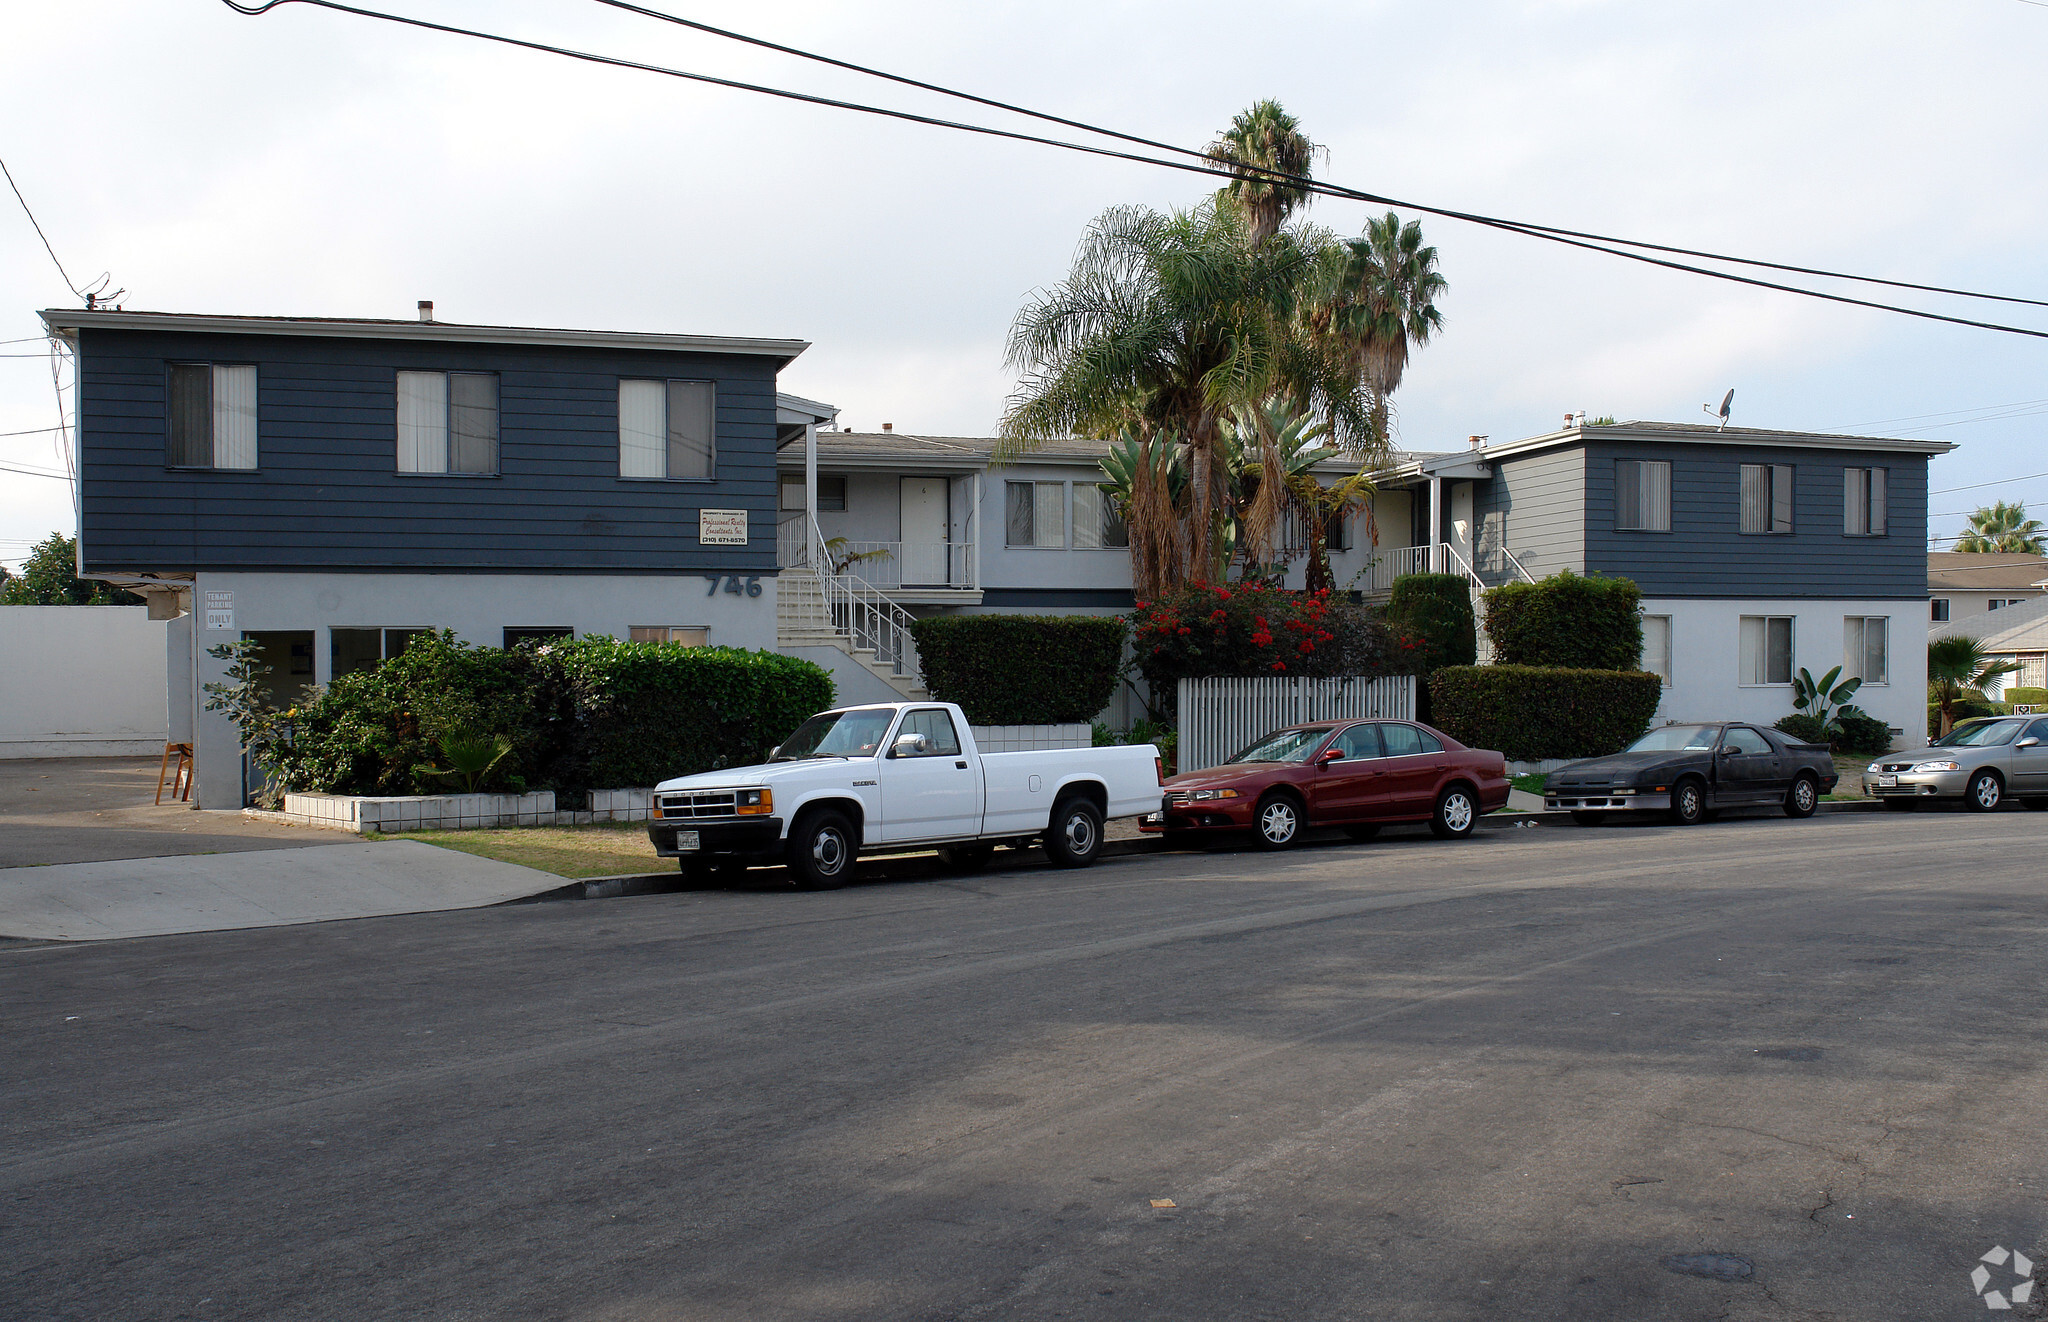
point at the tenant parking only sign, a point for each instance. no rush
(722, 527)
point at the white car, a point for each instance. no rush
(894, 778)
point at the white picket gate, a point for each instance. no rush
(1220, 716)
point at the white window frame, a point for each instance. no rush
(1046, 497)
(1662, 671)
(426, 424)
(1650, 484)
(1743, 667)
(1766, 499)
(647, 434)
(231, 418)
(1856, 648)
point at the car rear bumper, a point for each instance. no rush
(759, 836)
(1588, 801)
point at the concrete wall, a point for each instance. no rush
(477, 607)
(81, 681)
(1706, 656)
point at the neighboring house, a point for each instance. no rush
(1758, 552)
(331, 487)
(2016, 633)
(1965, 583)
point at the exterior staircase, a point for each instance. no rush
(846, 612)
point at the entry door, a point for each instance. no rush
(1461, 521)
(932, 795)
(927, 529)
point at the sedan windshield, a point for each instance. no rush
(856, 733)
(1677, 739)
(1984, 734)
(1286, 746)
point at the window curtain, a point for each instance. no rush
(691, 429)
(1855, 501)
(643, 429)
(422, 422)
(234, 417)
(472, 422)
(1017, 514)
(1049, 513)
(1755, 486)
(1657, 646)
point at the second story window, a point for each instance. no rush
(1096, 522)
(1767, 498)
(1035, 514)
(1863, 502)
(667, 429)
(447, 422)
(213, 416)
(1642, 495)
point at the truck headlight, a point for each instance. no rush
(1937, 766)
(754, 803)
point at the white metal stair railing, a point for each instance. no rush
(847, 611)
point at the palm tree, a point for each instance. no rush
(1274, 451)
(1379, 303)
(1957, 667)
(1148, 481)
(2006, 528)
(1166, 322)
(1261, 143)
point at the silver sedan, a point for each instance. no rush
(1982, 762)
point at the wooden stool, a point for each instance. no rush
(180, 775)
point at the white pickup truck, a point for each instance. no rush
(894, 778)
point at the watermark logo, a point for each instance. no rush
(2017, 1293)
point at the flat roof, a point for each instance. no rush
(1685, 433)
(1978, 571)
(59, 321)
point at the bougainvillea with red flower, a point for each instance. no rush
(1253, 628)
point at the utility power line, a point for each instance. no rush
(39, 231)
(1205, 164)
(1999, 483)
(32, 472)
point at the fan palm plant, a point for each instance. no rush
(1378, 303)
(1148, 481)
(1167, 321)
(1958, 667)
(2005, 528)
(1260, 143)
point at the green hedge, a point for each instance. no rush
(1535, 712)
(2027, 697)
(1022, 669)
(1566, 620)
(1853, 734)
(592, 713)
(1433, 612)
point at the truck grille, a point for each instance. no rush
(702, 803)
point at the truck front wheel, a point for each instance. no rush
(820, 851)
(1074, 835)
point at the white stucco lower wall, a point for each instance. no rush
(81, 681)
(1706, 658)
(478, 608)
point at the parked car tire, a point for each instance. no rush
(1900, 804)
(966, 858)
(1590, 818)
(1803, 797)
(821, 851)
(1277, 822)
(1074, 835)
(1688, 802)
(1363, 831)
(1456, 815)
(1984, 792)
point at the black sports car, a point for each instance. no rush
(1690, 771)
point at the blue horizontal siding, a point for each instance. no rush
(327, 495)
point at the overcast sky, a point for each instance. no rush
(310, 162)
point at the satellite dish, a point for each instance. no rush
(1722, 412)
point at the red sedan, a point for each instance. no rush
(1357, 775)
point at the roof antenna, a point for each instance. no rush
(1726, 400)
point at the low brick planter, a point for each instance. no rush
(457, 812)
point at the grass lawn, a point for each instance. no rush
(1529, 784)
(608, 849)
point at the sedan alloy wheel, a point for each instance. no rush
(1278, 824)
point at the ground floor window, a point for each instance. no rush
(689, 635)
(1657, 647)
(531, 633)
(1866, 648)
(351, 650)
(1938, 609)
(1766, 649)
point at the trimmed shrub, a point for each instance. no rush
(1863, 734)
(1806, 729)
(592, 713)
(1432, 616)
(1567, 620)
(1534, 712)
(2027, 697)
(1253, 629)
(1022, 669)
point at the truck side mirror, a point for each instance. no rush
(910, 745)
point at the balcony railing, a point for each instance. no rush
(890, 566)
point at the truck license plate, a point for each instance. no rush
(1887, 782)
(687, 840)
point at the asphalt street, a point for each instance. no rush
(1544, 1073)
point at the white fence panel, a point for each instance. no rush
(1220, 716)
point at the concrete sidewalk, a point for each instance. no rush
(262, 888)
